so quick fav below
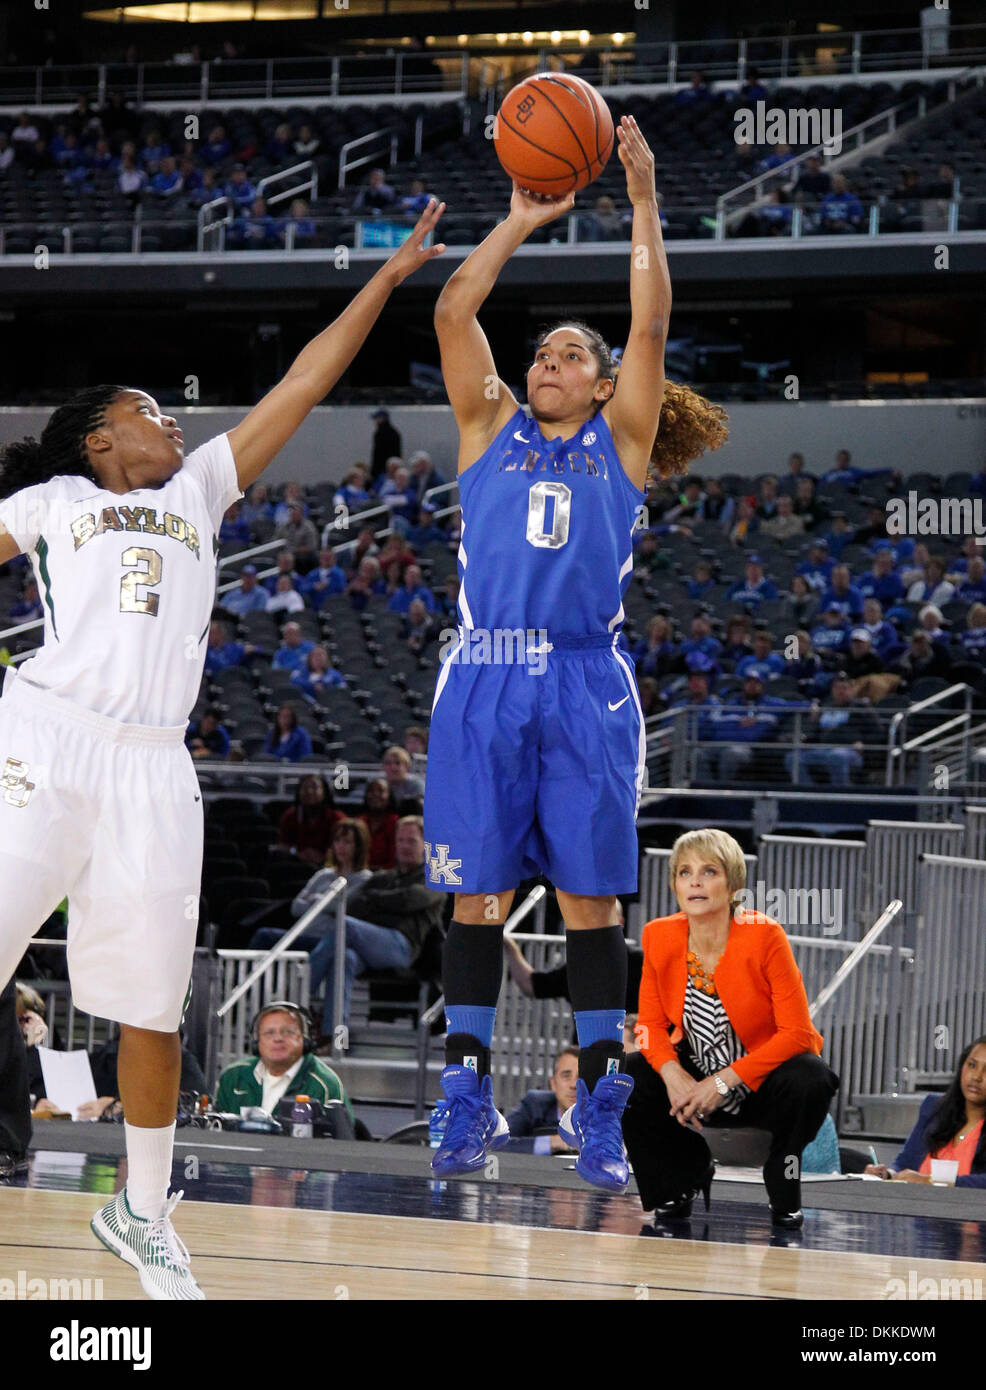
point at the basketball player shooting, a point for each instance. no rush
(99, 798)
(537, 766)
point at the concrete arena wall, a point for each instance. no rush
(940, 437)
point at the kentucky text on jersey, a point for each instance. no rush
(591, 467)
(142, 519)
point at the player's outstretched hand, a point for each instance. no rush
(413, 253)
(535, 209)
(637, 159)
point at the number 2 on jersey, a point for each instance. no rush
(140, 579)
(561, 515)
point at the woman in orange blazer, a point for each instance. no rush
(725, 1039)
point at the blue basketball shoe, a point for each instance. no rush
(474, 1123)
(593, 1125)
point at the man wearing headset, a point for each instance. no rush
(282, 1065)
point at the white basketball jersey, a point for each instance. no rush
(128, 583)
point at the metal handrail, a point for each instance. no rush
(855, 956)
(344, 162)
(203, 226)
(902, 714)
(309, 185)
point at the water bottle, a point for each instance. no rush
(437, 1122)
(301, 1118)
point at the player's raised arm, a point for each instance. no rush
(481, 403)
(634, 411)
(317, 368)
(8, 546)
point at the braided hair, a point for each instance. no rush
(62, 446)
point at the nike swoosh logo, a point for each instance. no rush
(518, 435)
(619, 702)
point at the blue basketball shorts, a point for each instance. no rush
(535, 769)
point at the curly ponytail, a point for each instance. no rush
(62, 447)
(690, 425)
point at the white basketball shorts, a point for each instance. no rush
(110, 815)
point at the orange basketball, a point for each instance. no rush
(553, 133)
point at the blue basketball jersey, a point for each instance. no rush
(546, 532)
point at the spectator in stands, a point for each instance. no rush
(840, 210)
(698, 705)
(775, 215)
(736, 643)
(932, 587)
(931, 618)
(533, 1123)
(923, 659)
(717, 508)
(655, 655)
(192, 180)
(287, 740)
(949, 1127)
(216, 149)
(848, 474)
(257, 506)
(701, 640)
(293, 497)
(239, 190)
(768, 497)
(795, 470)
(839, 535)
(131, 180)
(812, 182)
(755, 587)
(388, 920)
(420, 626)
(701, 582)
(776, 159)
(973, 640)
(831, 636)
(352, 494)
(424, 475)
(752, 89)
(396, 764)
(774, 1079)
(326, 579)
(843, 593)
(290, 655)
(448, 602)
(801, 604)
(415, 201)
(346, 858)
(300, 533)
(402, 501)
(317, 673)
(285, 598)
(698, 90)
(746, 522)
(426, 530)
(207, 738)
(280, 1067)
(838, 731)
(737, 725)
(153, 151)
(416, 743)
(785, 524)
(806, 668)
(817, 569)
(221, 652)
(307, 144)
(650, 696)
(881, 582)
(379, 815)
(883, 636)
(763, 661)
(862, 660)
(25, 132)
(414, 587)
(386, 442)
(807, 504)
(206, 189)
(7, 153)
(689, 504)
(29, 606)
(233, 530)
(285, 567)
(376, 195)
(366, 581)
(875, 528)
(913, 569)
(280, 147)
(604, 223)
(959, 566)
(300, 222)
(306, 829)
(167, 182)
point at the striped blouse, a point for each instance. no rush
(711, 1039)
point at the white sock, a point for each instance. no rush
(149, 1155)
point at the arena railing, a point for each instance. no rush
(897, 755)
(975, 832)
(950, 988)
(258, 975)
(510, 1041)
(894, 851)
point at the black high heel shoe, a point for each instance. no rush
(680, 1208)
(787, 1220)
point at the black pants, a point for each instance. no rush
(669, 1159)
(15, 1100)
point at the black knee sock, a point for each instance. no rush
(597, 985)
(472, 968)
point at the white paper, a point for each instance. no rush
(68, 1078)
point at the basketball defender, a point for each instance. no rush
(98, 795)
(537, 766)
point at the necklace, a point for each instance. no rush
(701, 978)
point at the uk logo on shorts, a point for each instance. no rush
(16, 788)
(440, 866)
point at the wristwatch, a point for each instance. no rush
(721, 1086)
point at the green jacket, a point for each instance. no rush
(238, 1086)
